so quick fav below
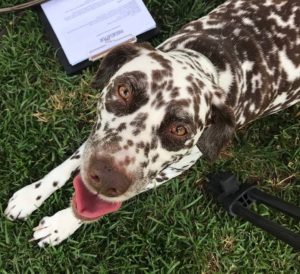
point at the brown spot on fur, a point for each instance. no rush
(166, 64)
(121, 127)
(130, 143)
(154, 158)
(147, 149)
(144, 164)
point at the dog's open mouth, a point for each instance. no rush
(89, 206)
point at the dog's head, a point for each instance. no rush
(155, 107)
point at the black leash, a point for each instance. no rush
(237, 199)
(23, 6)
(19, 10)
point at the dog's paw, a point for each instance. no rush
(24, 202)
(53, 230)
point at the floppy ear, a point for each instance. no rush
(116, 58)
(218, 133)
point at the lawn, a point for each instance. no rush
(45, 115)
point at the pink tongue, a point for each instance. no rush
(88, 205)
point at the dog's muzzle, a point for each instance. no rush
(106, 177)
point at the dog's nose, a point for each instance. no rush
(106, 178)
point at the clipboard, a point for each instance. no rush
(62, 58)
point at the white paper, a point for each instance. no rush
(86, 28)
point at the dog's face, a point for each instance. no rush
(154, 107)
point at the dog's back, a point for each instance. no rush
(255, 46)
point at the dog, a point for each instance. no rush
(161, 109)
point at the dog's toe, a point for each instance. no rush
(53, 230)
(24, 202)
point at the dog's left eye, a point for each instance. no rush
(124, 93)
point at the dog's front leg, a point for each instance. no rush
(29, 198)
(53, 230)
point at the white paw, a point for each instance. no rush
(25, 201)
(53, 230)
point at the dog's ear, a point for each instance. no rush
(116, 58)
(219, 131)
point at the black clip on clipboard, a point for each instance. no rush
(236, 198)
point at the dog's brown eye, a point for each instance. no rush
(124, 92)
(178, 130)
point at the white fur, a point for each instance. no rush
(53, 230)
(24, 201)
(292, 71)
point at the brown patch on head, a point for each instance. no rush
(141, 145)
(136, 132)
(121, 127)
(158, 75)
(154, 142)
(111, 142)
(176, 118)
(130, 143)
(175, 92)
(139, 121)
(116, 58)
(144, 164)
(158, 86)
(170, 85)
(137, 80)
(126, 147)
(154, 158)
(165, 63)
(147, 149)
(127, 161)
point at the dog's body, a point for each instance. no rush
(255, 48)
(162, 109)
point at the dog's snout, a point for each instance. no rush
(107, 178)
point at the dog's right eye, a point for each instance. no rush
(124, 93)
(178, 130)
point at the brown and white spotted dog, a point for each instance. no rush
(161, 109)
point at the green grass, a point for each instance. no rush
(45, 115)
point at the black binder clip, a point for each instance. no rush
(237, 198)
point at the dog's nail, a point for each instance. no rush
(39, 227)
